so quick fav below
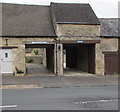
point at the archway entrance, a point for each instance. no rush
(79, 58)
(40, 59)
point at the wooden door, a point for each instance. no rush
(111, 63)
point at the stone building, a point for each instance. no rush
(110, 45)
(72, 35)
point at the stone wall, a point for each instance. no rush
(109, 44)
(16, 41)
(99, 60)
(77, 30)
(18, 49)
(40, 58)
(19, 58)
(36, 59)
(59, 59)
(31, 52)
(82, 32)
(15, 58)
(89, 32)
(106, 45)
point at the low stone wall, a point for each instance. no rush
(36, 59)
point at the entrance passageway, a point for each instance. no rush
(42, 57)
(79, 58)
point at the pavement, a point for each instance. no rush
(39, 77)
(57, 81)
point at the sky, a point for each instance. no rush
(102, 8)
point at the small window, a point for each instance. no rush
(6, 55)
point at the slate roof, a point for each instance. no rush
(109, 27)
(73, 13)
(35, 20)
(26, 20)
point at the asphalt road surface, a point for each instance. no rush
(65, 98)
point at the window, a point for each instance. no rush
(6, 55)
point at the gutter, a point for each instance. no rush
(110, 36)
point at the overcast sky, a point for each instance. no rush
(102, 8)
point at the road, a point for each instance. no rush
(64, 98)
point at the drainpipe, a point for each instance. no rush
(56, 57)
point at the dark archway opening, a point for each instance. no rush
(80, 57)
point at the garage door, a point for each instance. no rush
(111, 63)
(6, 63)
